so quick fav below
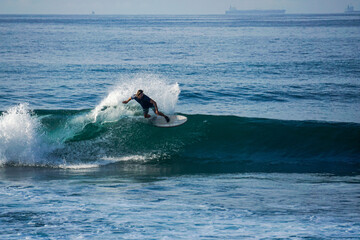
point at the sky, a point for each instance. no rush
(169, 6)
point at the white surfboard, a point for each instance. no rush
(175, 120)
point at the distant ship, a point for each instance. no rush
(350, 10)
(234, 11)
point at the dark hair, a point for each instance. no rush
(139, 92)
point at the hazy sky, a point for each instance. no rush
(169, 6)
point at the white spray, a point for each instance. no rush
(20, 137)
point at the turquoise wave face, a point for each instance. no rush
(205, 143)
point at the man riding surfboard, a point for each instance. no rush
(146, 103)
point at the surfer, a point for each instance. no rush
(146, 103)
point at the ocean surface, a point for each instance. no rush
(271, 148)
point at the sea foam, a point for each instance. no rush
(21, 140)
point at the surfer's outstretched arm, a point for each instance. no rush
(125, 102)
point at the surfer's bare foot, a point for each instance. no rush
(167, 118)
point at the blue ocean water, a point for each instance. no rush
(271, 148)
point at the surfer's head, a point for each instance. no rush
(139, 93)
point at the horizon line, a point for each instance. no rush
(172, 14)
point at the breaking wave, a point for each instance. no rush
(112, 133)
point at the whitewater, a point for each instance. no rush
(271, 148)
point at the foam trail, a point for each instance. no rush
(107, 160)
(20, 137)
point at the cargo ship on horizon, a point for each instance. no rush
(350, 10)
(233, 11)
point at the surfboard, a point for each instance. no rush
(175, 120)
